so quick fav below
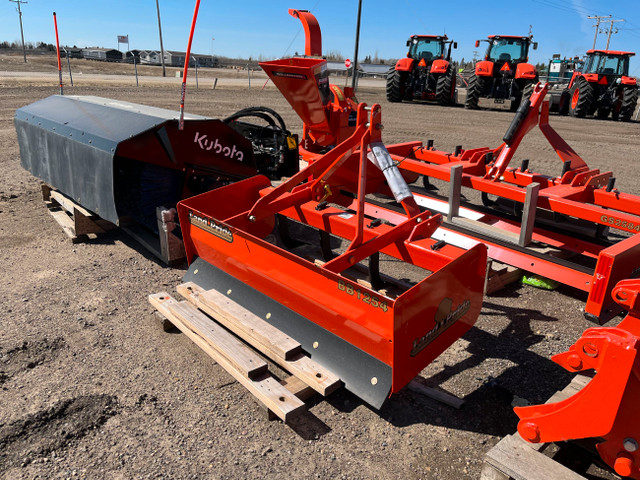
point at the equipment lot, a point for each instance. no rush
(92, 387)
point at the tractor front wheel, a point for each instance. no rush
(581, 99)
(445, 88)
(629, 100)
(396, 85)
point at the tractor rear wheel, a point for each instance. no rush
(629, 100)
(581, 98)
(445, 88)
(474, 91)
(396, 85)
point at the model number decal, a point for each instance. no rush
(616, 222)
(364, 296)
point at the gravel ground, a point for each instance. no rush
(91, 387)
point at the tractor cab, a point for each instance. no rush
(506, 49)
(609, 63)
(429, 47)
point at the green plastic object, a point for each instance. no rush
(539, 282)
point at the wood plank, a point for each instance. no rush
(68, 204)
(240, 321)
(264, 337)
(500, 275)
(513, 457)
(435, 394)
(265, 387)
(238, 354)
(64, 221)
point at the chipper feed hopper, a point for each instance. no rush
(121, 160)
(333, 292)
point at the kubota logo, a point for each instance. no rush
(207, 145)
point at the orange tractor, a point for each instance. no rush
(603, 87)
(504, 74)
(426, 73)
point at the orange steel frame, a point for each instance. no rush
(406, 332)
(607, 406)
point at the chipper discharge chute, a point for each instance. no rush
(575, 228)
(607, 407)
(333, 292)
(121, 160)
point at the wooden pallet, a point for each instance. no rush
(80, 224)
(76, 221)
(512, 458)
(233, 336)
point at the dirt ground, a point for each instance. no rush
(91, 387)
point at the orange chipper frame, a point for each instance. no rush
(573, 213)
(607, 407)
(375, 335)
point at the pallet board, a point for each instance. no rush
(278, 347)
(236, 339)
(512, 458)
(76, 221)
(80, 224)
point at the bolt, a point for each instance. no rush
(574, 361)
(530, 432)
(315, 344)
(630, 444)
(252, 218)
(590, 350)
(623, 465)
(418, 220)
(374, 381)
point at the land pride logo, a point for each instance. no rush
(208, 144)
(211, 226)
(444, 317)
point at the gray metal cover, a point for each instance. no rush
(70, 143)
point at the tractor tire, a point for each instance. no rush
(581, 101)
(396, 85)
(565, 101)
(445, 88)
(629, 100)
(474, 91)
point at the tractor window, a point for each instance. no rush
(607, 65)
(507, 50)
(427, 48)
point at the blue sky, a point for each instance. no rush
(263, 27)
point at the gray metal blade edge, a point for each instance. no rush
(356, 368)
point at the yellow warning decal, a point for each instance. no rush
(291, 142)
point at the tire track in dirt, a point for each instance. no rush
(39, 434)
(27, 356)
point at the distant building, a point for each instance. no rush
(130, 55)
(149, 57)
(103, 54)
(373, 70)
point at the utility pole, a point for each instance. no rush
(24, 51)
(355, 55)
(597, 18)
(611, 22)
(164, 70)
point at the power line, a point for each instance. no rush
(24, 50)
